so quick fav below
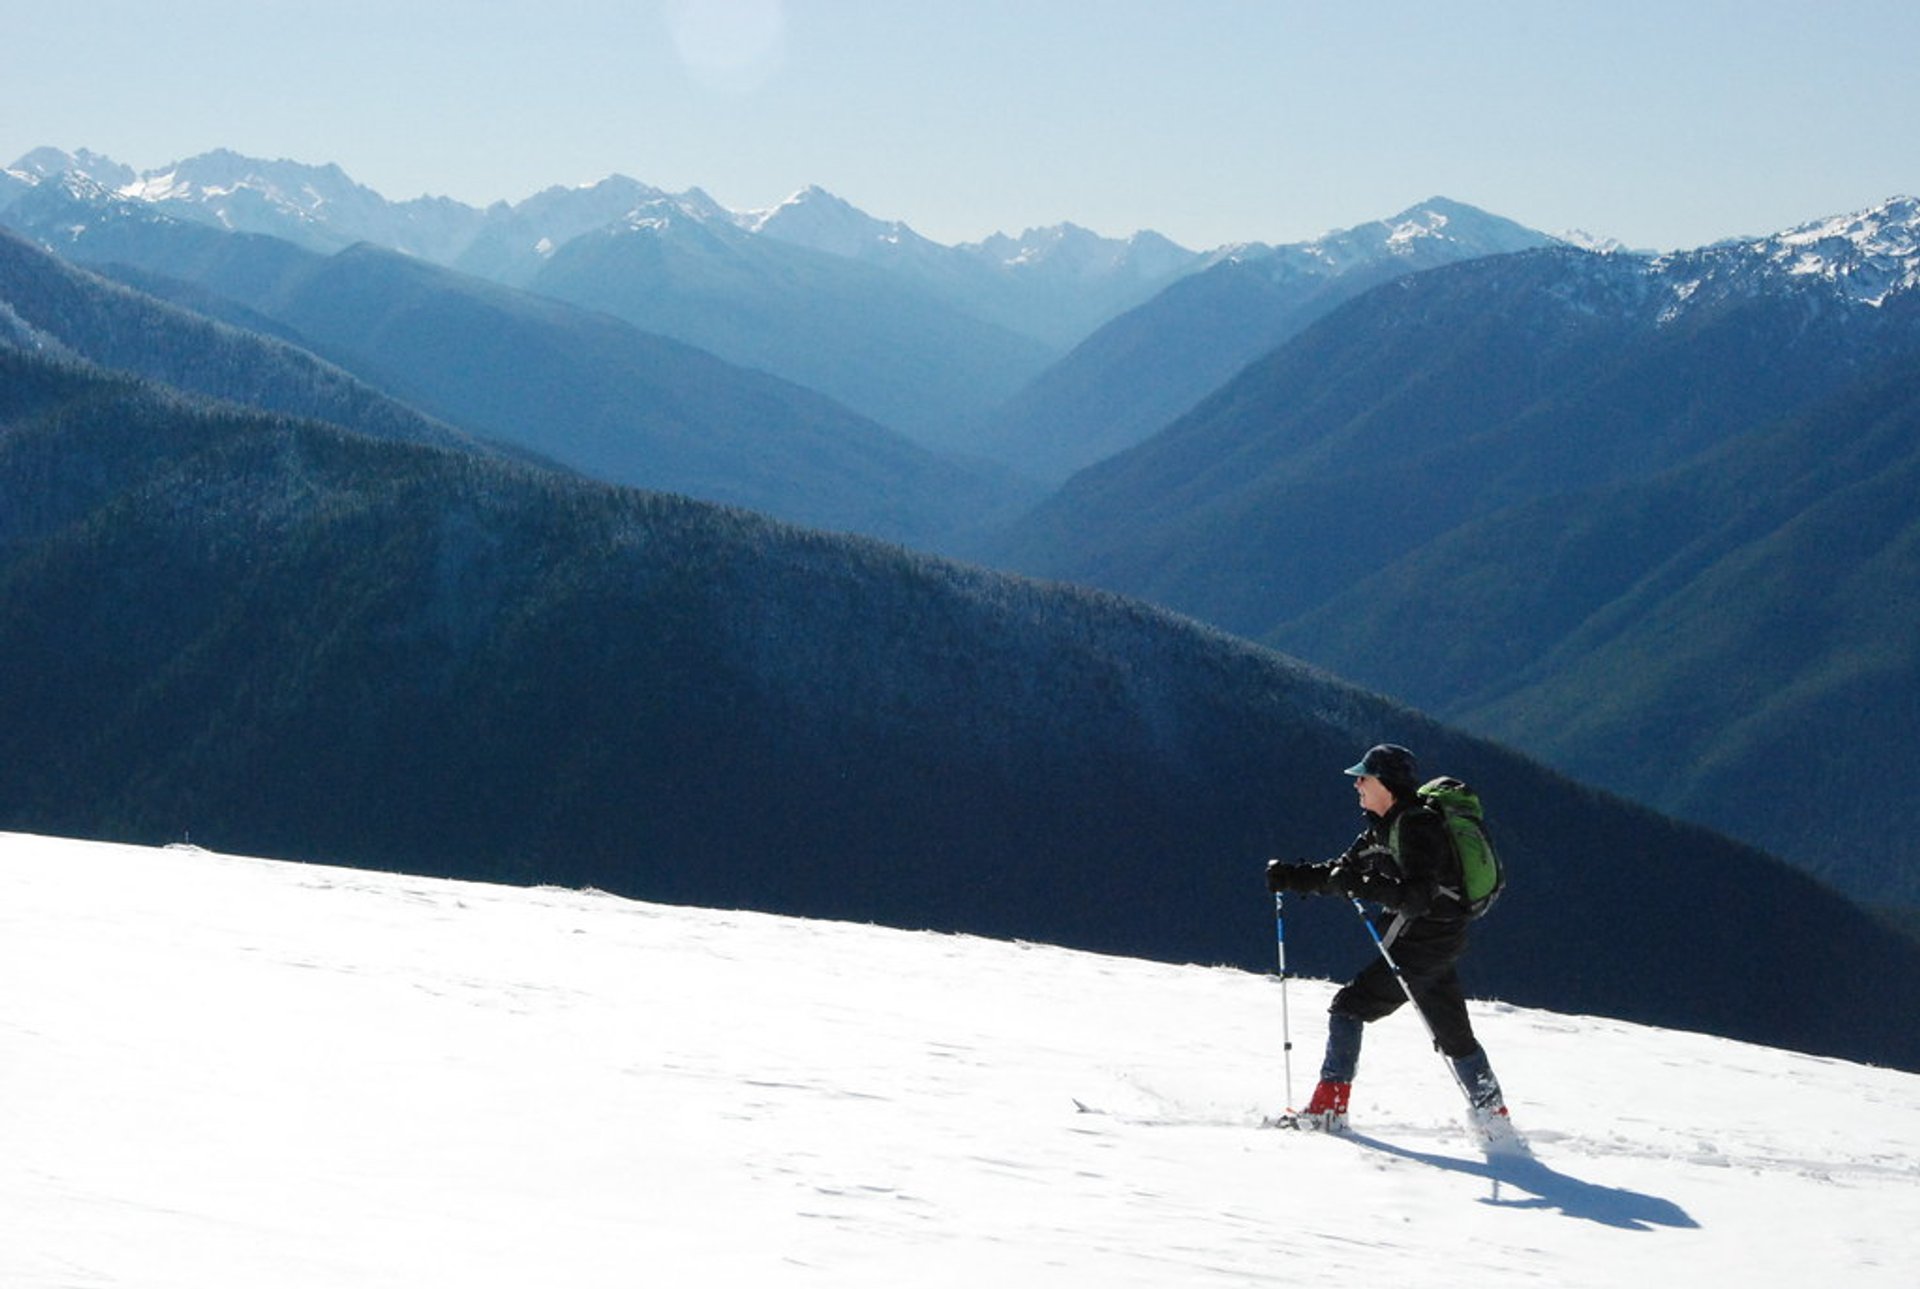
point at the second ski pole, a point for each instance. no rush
(1286, 1024)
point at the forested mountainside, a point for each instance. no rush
(279, 637)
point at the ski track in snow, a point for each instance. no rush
(228, 1072)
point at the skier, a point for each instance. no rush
(1400, 861)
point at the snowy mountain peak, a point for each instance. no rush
(1581, 239)
(1054, 241)
(690, 212)
(1431, 232)
(812, 203)
(1867, 257)
(1467, 227)
(659, 214)
(1431, 216)
(315, 206)
(79, 186)
(1068, 250)
(1888, 227)
(1870, 254)
(221, 174)
(46, 163)
(821, 221)
(562, 212)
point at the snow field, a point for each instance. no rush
(227, 1072)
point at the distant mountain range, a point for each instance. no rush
(1647, 516)
(881, 345)
(281, 637)
(954, 346)
(1055, 284)
(569, 386)
(1144, 368)
(926, 339)
(1072, 278)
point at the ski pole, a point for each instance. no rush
(1286, 1024)
(1407, 989)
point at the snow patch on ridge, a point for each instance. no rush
(1870, 255)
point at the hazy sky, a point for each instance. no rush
(1663, 123)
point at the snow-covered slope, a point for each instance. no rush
(1867, 257)
(229, 1072)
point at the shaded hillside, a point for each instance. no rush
(1732, 641)
(68, 310)
(289, 640)
(1554, 494)
(1431, 401)
(874, 341)
(1142, 370)
(567, 384)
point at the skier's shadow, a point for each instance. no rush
(1543, 1187)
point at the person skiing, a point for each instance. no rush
(1400, 860)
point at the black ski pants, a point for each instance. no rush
(1426, 950)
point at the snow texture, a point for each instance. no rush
(225, 1072)
(1871, 255)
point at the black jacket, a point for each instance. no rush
(1401, 861)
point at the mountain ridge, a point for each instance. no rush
(571, 387)
(1369, 472)
(1137, 373)
(324, 209)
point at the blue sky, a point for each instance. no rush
(1662, 124)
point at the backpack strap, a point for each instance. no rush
(1393, 842)
(1454, 893)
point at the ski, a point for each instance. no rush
(1494, 1134)
(1300, 1121)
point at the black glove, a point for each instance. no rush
(1348, 880)
(1282, 876)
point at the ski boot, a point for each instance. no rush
(1487, 1106)
(1327, 1111)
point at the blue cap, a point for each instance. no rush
(1390, 763)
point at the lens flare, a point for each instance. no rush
(730, 45)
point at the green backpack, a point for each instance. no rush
(1482, 877)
